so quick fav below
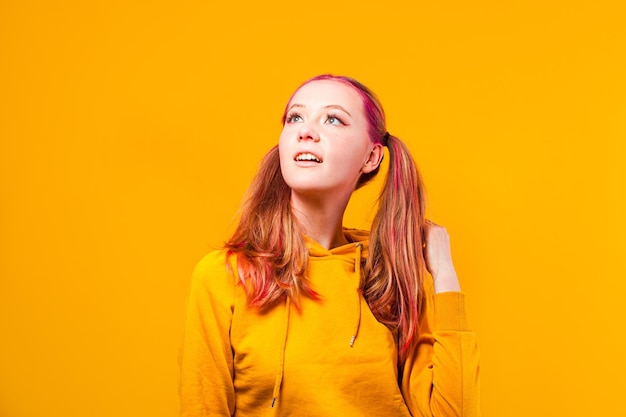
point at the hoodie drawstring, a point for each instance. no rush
(281, 365)
(357, 270)
(355, 333)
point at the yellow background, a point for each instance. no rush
(130, 130)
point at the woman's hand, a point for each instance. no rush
(439, 259)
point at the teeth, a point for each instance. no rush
(307, 157)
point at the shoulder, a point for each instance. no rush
(213, 261)
(214, 272)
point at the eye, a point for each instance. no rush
(293, 118)
(334, 120)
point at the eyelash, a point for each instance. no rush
(291, 116)
(334, 116)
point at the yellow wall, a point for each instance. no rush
(128, 134)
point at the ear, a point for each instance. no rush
(374, 159)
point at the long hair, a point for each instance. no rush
(272, 257)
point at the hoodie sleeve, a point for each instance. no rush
(441, 373)
(206, 358)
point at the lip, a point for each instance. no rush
(308, 162)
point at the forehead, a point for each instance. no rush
(327, 92)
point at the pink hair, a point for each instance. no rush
(273, 258)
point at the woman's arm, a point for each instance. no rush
(441, 373)
(206, 359)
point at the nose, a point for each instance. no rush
(306, 132)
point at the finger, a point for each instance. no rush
(426, 231)
(430, 223)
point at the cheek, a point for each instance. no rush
(282, 146)
(283, 140)
(347, 165)
(355, 154)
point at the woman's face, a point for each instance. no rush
(324, 145)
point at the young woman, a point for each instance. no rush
(300, 316)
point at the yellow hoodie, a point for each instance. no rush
(235, 361)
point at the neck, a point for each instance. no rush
(321, 218)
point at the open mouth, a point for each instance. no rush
(307, 156)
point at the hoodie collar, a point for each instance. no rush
(353, 236)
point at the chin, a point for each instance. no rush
(307, 188)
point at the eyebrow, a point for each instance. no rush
(330, 106)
